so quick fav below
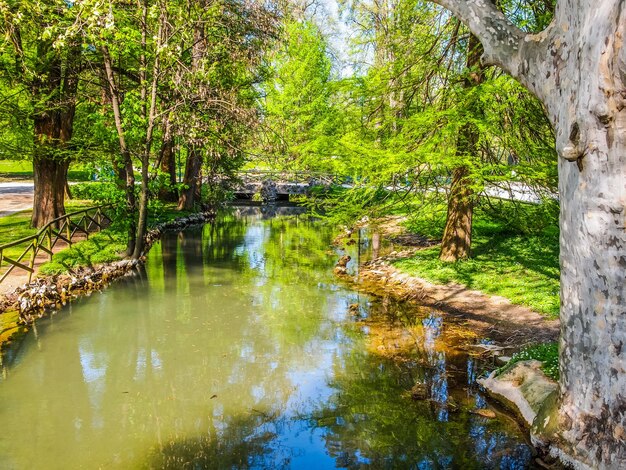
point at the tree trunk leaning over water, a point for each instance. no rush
(577, 68)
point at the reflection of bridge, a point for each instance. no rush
(279, 185)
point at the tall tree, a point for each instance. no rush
(457, 234)
(576, 67)
(46, 53)
(297, 111)
(182, 71)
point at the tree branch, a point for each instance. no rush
(499, 37)
(520, 54)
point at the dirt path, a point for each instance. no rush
(493, 317)
(19, 277)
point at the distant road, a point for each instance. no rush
(15, 197)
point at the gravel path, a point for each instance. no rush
(15, 197)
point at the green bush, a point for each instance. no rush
(103, 192)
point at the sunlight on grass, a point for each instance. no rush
(547, 353)
(523, 269)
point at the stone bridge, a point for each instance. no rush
(279, 185)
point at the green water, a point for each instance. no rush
(237, 348)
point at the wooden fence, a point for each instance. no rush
(62, 228)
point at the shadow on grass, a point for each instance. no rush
(522, 268)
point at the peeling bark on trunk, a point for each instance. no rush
(577, 68)
(589, 112)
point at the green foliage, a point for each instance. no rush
(101, 192)
(547, 353)
(523, 218)
(299, 118)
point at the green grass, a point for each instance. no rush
(16, 226)
(103, 247)
(547, 353)
(23, 169)
(521, 268)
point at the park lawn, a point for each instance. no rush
(521, 268)
(23, 169)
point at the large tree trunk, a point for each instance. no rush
(577, 68)
(589, 113)
(54, 93)
(457, 235)
(50, 178)
(49, 169)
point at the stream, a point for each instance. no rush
(237, 347)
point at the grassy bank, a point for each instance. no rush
(515, 252)
(103, 247)
(521, 268)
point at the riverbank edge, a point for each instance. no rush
(509, 326)
(379, 277)
(48, 293)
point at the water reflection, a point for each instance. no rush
(236, 348)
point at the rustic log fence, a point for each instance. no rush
(63, 228)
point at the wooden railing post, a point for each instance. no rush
(35, 246)
(68, 230)
(49, 237)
